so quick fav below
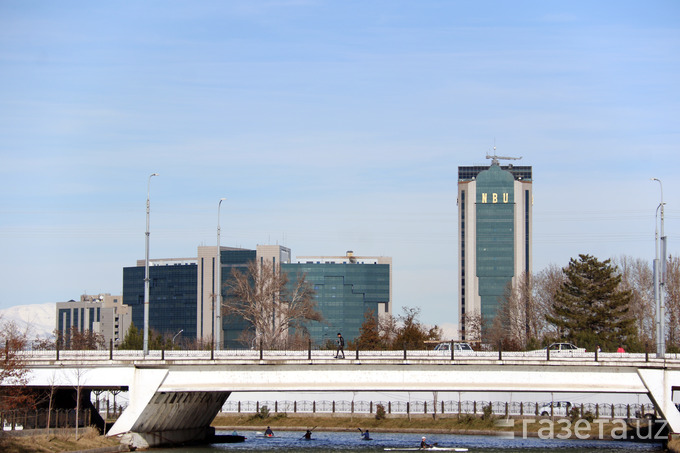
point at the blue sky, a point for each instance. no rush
(328, 126)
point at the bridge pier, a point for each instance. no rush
(154, 417)
(175, 418)
(142, 441)
(659, 383)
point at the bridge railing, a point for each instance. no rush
(304, 355)
(431, 407)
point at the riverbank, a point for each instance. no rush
(674, 445)
(451, 424)
(59, 440)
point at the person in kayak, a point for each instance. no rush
(424, 444)
(269, 432)
(365, 435)
(308, 435)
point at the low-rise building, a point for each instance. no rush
(101, 314)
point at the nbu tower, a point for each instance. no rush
(494, 238)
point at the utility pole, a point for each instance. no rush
(660, 279)
(217, 318)
(146, 269)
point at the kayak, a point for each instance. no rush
(427, 449)
(227, 438)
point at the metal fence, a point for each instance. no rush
(431, 407)
(37, 419)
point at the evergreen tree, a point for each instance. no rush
(369, 334)
(591, 308)
(134, 339)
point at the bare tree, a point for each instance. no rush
(387, 327)
(636, 276)
(270, 302)
(411, 333)
(672, 301)
(474, 326)
(12, 368)
(512, 325)
(78, 377)
(546, 284)
(52, 387)
(85, 340)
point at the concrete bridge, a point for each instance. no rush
(175, 395)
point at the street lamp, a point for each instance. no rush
(217, 326)
(173, 338)
(660, 279)
(146, 269)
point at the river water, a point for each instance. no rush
(347, 442)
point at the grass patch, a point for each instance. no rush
(58, 441)
(465, 423)
(343, 422)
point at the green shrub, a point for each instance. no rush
(488, 413)
(380, 413)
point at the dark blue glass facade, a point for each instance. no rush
(233, 326)
(344, 293)
(172, 297)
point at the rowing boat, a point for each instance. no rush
(435, 448)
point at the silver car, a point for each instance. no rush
(457, 347)
(559, 408)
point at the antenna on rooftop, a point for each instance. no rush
(494, 158)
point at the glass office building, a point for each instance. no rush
(172, 296)
(345, 292)
(182, 292)
(494, 223)
(234, 326)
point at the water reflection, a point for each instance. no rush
(347, 442)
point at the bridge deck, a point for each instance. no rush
(169, 387)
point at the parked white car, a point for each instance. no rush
(561, 349)
(457, 347)
(559, 409)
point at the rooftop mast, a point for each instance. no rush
(494, 158)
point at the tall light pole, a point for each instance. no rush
(146, 268)
(217, 333)
(173, 338)
(660, 279)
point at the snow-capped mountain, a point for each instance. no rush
(39, 319)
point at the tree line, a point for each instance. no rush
(590, 303)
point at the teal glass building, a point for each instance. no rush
(494, 223)
(345, 292)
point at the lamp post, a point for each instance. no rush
(660, 279)
(217, 330)
(173, 338)
(146, 269)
